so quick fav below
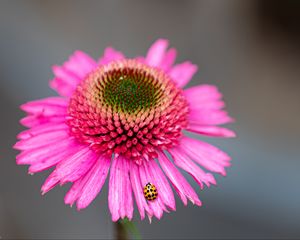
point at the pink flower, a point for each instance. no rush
(123, 115)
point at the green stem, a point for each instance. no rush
(124, 227)
(121, 233)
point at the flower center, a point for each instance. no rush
(130, 90)
(128, 108)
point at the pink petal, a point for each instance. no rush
(156, 52)
(61, 87)
(206, 104)
(87, 188)
(37, 130)
(50, 183)
(43, 139)
(212, 131)
(211, 152)
(168, 60)
(208, 117)
(157, 206)
(120, 200)
(76, 165)
(66, 76)
(181, 185)
(204, 97)
(34, 155)
(75, 190)
(138, 191)
(51, 101)
(36, 120)
(80, 64)
(184, 162)
(188, 147)
(110, 55)
(71, 73)
(44, 109)
(201, 94)
(183, 73)
(94, 182)
(165, 192)
(48, 161)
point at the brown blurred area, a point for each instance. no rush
(250, 49)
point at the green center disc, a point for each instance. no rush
(130, 90)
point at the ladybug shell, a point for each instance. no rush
(150, 192)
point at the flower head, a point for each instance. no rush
(126, 107)
(122, 116)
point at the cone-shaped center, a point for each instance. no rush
(128, 108)
(129, 91)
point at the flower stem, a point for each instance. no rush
(121, 232)
(124, 227)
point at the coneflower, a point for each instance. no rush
(126, 116)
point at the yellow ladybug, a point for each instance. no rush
(150, 192)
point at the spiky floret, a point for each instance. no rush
(128, 108)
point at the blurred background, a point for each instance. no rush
(249, 49)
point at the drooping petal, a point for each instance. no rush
(203, 161)
(209, 117)
(37, 120)
(182, 187)
(184, 162)
(37, 106)
(50, 183)
(156, 52)
(75, 190)
(87, 188)
(204, 97)
(44, 139)
(120, 200)
(157, 206)
(208, 152)
(202, 94)
(37, 130)
(213, 104)
(47, 161)
(35, 155)
(212, 131)
(183, 73)
(76, 165)
(110, 55)
(160, 181)
(138, 191)
(94, 182)
(57, 107)
(205, 106)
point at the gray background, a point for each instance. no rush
(250, 49)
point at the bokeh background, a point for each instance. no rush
(249, 49)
